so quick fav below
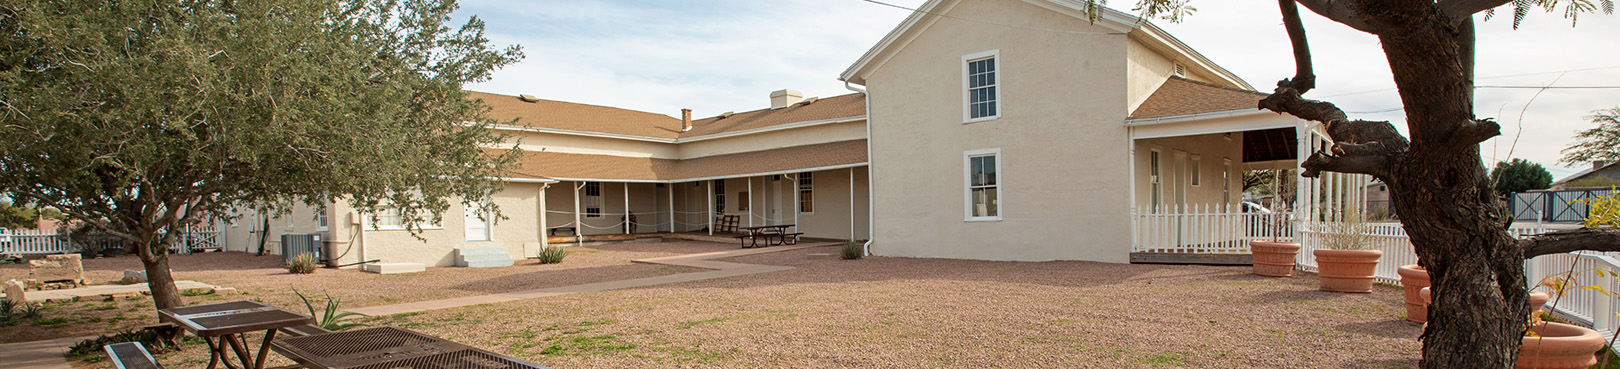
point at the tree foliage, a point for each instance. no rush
(140, 115)
(1601, 143)
(24, 217)
(1519, 175)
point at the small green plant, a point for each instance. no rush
(90, 348)
(302, 264)
(7, 307)
(852, 250)
(1349, 232)
(552, 254)
(330, 319)
(10, 259)
(196, 292)
(32, 311)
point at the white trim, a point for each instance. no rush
(1212, 124)
(778, 127)
(967, 185)
(798, 197)
(967, 101)
(1179, 118)
(524, 180)
(469, 216)
(680, 180)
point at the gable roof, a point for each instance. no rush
(568, 117)
(1140, 29)
(566, 166)
(836, 107)
(542, 113)
(1180, 96)
(1581, 174)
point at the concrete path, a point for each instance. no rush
(45, 354)
(105, 290)
(721, 270)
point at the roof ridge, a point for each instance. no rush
(1185, 79)
(735, 113)
(575, 103)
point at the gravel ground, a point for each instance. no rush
(904, 313)
(265, 279)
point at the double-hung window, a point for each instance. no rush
(806, 198)
(593, 199)
(983, 184)
(719, 196)
(981, 95)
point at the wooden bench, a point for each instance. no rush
(571, 230)
(303, 330)
(131, 355)
(790, 238)
(726, 223)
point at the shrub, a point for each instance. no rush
(852, 250)
(302, 264)
(91, 347)
(330, 319)
(552, 254)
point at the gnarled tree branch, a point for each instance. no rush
(1590, 239)
(1342, 11)
(1376, 165)
(1478, 131)
(1304, 79)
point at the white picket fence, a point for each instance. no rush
(35, 242)
(1204, 228)
(1388, 237)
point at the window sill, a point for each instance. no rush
(982, 219)
(982, 119)
(401, 228)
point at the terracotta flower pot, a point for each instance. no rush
(1273, 259)
(1560, 346)
(1537, 299)
(1347, 270)
(1413, 279)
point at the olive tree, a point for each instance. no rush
(142, 116)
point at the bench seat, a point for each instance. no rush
(131, 355)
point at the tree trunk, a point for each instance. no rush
(155, 257)
(1440, 188)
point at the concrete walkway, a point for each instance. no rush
(102, 291)
(45, 354)
(721, 270)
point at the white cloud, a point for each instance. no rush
(717, 56)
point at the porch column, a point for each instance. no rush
(544, 237)
(579, 228)
(1130, 165)
(851, 203)
(671, 188)
(711, 206)
(794, 185)
(750, 201)
(1302, 148)
(626, 208)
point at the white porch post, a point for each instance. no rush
(545, 240)
(750, 201)
(1130, 165)
(851, 203)
(794, 184)
(579, 228)
(711, 206)
(1303, 143)
(671, 188)
(626, 208)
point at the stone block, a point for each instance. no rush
(123, 295)
(65, 267)
(394, 268)
(134, 276)
(225, 290)
(16, 292)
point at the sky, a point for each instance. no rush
(715, 56)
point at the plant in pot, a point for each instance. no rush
(1553, 345)
(1274, 258)
(1349, 262)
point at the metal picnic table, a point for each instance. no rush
(224, 324)
(778, 232)
(390, 348)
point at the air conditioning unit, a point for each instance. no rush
(293, 244)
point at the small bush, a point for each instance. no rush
(552, 254)
(89, 349)
(852, 250)
(302, 264)
(330, 319)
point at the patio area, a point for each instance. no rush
(903, 312)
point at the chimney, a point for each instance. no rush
(686, 120)
(785, 97)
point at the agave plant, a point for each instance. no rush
(330, 319)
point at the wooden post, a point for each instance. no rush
(671, 188)
(626, 208)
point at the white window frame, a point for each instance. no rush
(1226, 180)
(322, 223)
(967, 185)
(967, 98)
(1195, 172)
(803, 184)
(471, 216)
(398, 227)
(1155, 179)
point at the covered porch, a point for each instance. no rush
(1176, 217)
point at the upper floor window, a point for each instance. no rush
(981, 96)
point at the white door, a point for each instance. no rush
(477, 224)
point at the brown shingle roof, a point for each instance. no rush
(1179, 96)
(541, 164)
(841, 106)
(579, 117)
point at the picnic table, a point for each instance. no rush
(773, 235)
(389, 347)
(224, 326)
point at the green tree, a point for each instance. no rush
(16, 217)
(1601, 143)
(141, 115)
(1519, 175)
(1437, 180)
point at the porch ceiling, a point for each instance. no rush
(1269, 145)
